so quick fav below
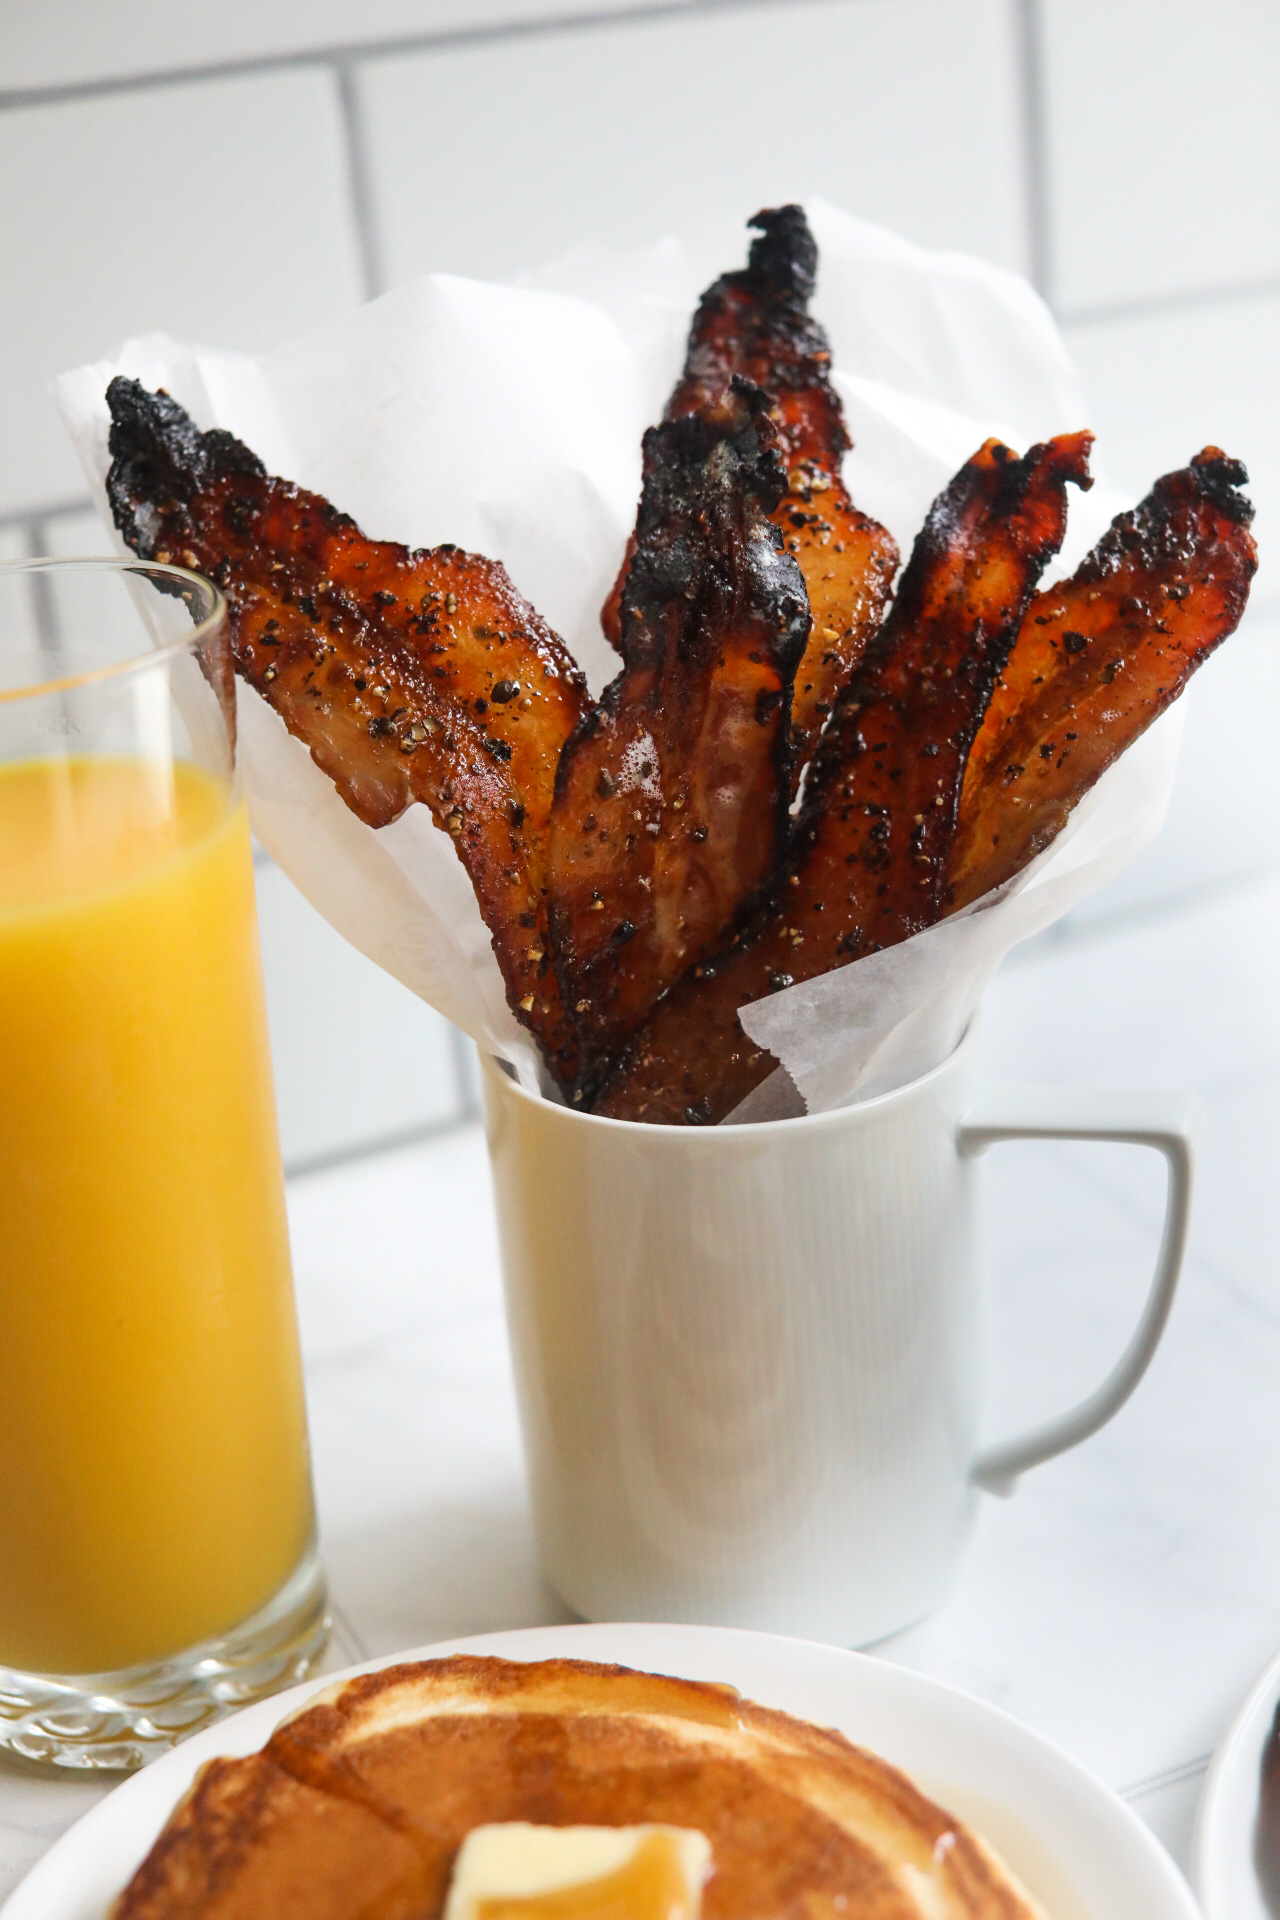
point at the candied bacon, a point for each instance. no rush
(410, 674)
(867, 864)
(611, 611)
(423, 676)
(1097, 658)
(885, 784)
(755, 322)
(671, 800)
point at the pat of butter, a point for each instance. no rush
(514, 1869)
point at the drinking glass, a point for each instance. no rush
(158, 1562)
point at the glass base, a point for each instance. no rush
(125, 1719)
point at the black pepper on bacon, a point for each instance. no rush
(410, 674)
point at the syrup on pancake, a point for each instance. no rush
(359, 1803)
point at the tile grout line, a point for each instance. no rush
(1170, 1777)
(1229, 293)
(342, 1621)
(1030, 52)
(44, 609)
(321, 1163)
(359, 178)
(341, 60)
(387, 48)
(25, 519)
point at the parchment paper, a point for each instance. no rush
(508, 419)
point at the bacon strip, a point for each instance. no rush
(756, 323)
(671, 800)
(1097, 658)
(867, 867)
(410, 674)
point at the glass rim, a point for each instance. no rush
(134, 663)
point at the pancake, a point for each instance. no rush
(247, 1839)
(358, 1803)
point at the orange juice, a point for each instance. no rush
(154, 1481)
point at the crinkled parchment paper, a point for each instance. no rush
(508, 419)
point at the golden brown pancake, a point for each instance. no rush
(247, 1839)
(357, 1805)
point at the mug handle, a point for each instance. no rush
(1164, 1120)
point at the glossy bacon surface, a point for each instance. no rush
(409, 674)
(1097, 658)
(867, 865)
(756, 323)
(884, 789)
(671, 801)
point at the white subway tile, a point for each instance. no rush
(397, 1247)
(1186, 998)
(1161, 386)
(357, 1057)
(1163, 145)
(489, 160)
(81, 609)
(76, 535)
(82, 40)
(19, 632)
(215, 211)
(72, 605)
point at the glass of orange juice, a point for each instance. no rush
(157, 1535)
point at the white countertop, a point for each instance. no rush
(1124, 1599)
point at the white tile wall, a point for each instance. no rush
(1164, 147)
(20, 627)
(217, 211)
(1128, 150)
(74, 536)
(78, 608)
(1162, 385)
(90, 42)
(1219, 1031)
(489, 159)
(246, 202)
(1165, 266)
(358, 1059)
(1087, 1029)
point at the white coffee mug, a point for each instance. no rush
(748, 1357)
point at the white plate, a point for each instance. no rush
(1076, 1845)
(1222, 1852)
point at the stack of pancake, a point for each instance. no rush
(357, 1806)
